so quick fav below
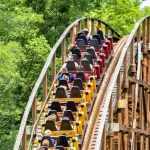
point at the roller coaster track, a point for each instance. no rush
(120, 112)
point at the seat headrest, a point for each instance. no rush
(81, 44)
(71, 66)
(94, 43)
(78, 82)
(92, 52)
(68, 113)
(50, 125)
(60, 93)
(63, 82)
(81, 75)
(75, 92)
(97, 36)
(56, 106)
(86, 65)
(62, 140)
(71, 106)
(66, 124)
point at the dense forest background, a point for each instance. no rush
(28, 31)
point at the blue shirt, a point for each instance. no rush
(70, 76)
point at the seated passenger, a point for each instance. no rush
(67, 79)
(99, 31)
(65, 88)
(52, 117)
(48, 133)
(64, 70)
(75, 50)
(85, 58)
(86, 33)
(80, 33)
(81, 68)
(46, 143)
(70, 58)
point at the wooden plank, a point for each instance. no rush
(140, 82)
(72, 35)
(79, 26)
(106, 30)
(54, 67)
(99, 24)
(39, 105)
(126, 118)
(113, 127)
(136, 95)
(85, 23)
(63, 50)
(111, 121)
(144, 37)
(140, 131)
(45, 86)
(119, 113)
(34, 111)
(122, 103)
(24, 138)
(92, 26)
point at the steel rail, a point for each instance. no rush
(41, 76)
(112, 82)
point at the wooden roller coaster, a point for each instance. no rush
(113, 111)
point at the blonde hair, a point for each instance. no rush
(48, 132)
(52, 117)
(45, 142)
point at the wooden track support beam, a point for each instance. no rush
(92, 26)
(63, 50)
(141, 83)
(85, 23)
(54, 67)
(45, 86)
(24, 139)
(34, 111)
(119, 112)
(111, 144)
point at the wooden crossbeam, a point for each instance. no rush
(143, 83)
(131, 130)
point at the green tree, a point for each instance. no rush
(121, 15)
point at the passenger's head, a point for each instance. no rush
(98, 28)
(81, 68)
(79, 34)
(46, 143)
(72, 46)
(70, 58)
(52, 117)
(64, 70)
(65, 77)
(64, 87)
(63, 107)
(86, 31)
(48, 132)
(92, 47)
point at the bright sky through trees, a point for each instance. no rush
(145, 3)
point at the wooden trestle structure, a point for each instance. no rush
(120, 116)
